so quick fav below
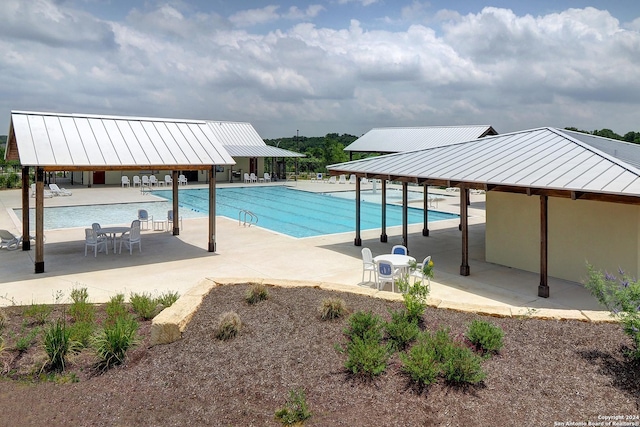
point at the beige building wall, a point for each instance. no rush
(607, 235)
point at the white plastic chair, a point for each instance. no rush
(332, 180)
(153, 181)
(144, 217)
(132, 237)
(46, 193)
(352, 179)
(145, 181)
(253, 177)
(170, 220)
(368, 265)
(419, 274)
(57, 191)
(182, 180)
(124, 181)
(136, 181)
(342, 180)
(91, 239)
(386, 273)
(399, 250)
(267, 177)
(168, 180)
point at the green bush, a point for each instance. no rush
(113, 341)
(228, 327)
(401, 330)
(366, 357)
(256, 293)
(144, 305)
(168, 298)
(57, 344)
(115, 308)
(421, 363)
(39, 313)
(415, 297)
(332, 308)
(365, 325)
(461, 365)
(295, 411)
(81, 333)
(485, 336)
(621, 296)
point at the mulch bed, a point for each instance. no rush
(548, 372)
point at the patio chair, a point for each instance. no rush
(136, 181)
(168, 180)
(418, 273)
(124, 181)
(267, 177)
(9, 241)
(332, 180)
(57, 191)
(386, 273)
(342, 180)
(91, 239)
(368, 265)
(132, 237)
(46, 193)
(182, 180)
(153, 181)
(247, 178)
(352, 179)
(170, 220)
(253, 177)
(144, 217)
(399, 250)
(145, 181)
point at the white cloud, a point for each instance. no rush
(248, 18)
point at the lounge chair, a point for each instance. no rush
(342, 180)
(57, 191)
(332, 180)
(352, 179)
(132, 237)
(92, 239)
(9, 241)
(47, 194)
(124, 181)
(182, 180)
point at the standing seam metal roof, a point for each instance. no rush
(240, 139)
(538, 158)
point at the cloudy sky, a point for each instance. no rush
(322, 66)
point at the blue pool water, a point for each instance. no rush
(281, 209)
(299, 213)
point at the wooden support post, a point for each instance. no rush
(212, 209)
(383, 234)
(464, 225)
(176, 217)
(26, 241)
(405, 215)
(543, 288)
(358, 240)
(39, 262)
(425, 208)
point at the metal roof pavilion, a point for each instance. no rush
(241, 140)
(398, 139)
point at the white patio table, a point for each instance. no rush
(397, 260)
(112, 232)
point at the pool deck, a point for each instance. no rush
(178, 263)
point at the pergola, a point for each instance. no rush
(543, 162)
(79, 142)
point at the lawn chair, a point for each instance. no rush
(144, 217)
(57, 191)
(132, 237)
(92, 239)
(182, 180)
(124, 181)
(9, 241)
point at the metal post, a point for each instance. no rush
(39, 262)
(176, 228)
(383, 235)
(425, 209)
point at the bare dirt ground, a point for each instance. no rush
(548, 372)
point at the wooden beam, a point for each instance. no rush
(174, 193)
(425, 210)
(464, 226)
(111, 168)
(212, 210)
(39, 261)
(26, 241)
(405, 215)
(543, 288)
(383, 233)
(358, 240)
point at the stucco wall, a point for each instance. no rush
(604, 234)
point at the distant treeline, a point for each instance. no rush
(633, 137)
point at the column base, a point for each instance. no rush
(543, 291)
(39, 267)
(464, 270)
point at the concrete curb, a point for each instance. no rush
(169, 325)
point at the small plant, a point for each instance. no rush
(144, 305)
(401, 330)
(229, 325)
(168, 298)
(485, 336)
(57, 344)
(81, 333)
(366, 326)
(462, 366)
(3, 321)
(115, 308)
(113, 341)
(256, 293)
(332, 308)
(366, 357)
(27, 340)
(39, 313)
(81, 310)
(421, 363)
(414, 296)
(79, 295)
(295, 411)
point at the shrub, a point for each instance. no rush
(81, 333)
(168, 298)
(256, 293)
(229, 325)
(401, 330)
(367, 357)
(27, 340)
(144, 305)
(461, 365)
(39, 313)
(79, 295)
(113, 341)
(332, 308)
(81, 310)
(115, 308)
(421, 363)
(621, 296)
(485, 336)
(57, 344)
(365, 325)
(295, 410)
(415, 297)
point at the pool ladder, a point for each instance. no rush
(247, 218)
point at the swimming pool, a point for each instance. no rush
(299, 213)
(281, 209)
